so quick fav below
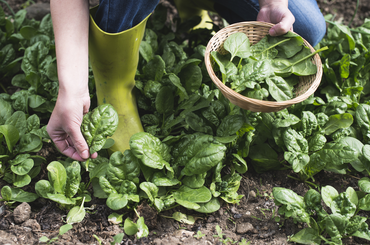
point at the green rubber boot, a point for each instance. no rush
(114, 58)
(190, 8)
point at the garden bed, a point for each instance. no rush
(255, 219)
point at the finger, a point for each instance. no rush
(79, 143)
(285, 25)
(94, 155)
(63, 146)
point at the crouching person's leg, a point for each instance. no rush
(116, 31)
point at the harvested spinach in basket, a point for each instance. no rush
(269, 69)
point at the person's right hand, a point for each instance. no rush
(276, 12)
(64, 127)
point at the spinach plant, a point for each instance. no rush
(330, 228)
(20, 137)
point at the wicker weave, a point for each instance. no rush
(255, 31)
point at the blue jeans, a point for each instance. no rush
(118, 15)
(309, 21)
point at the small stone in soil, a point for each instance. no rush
(237, 216)
(244, 228)
(22, 213)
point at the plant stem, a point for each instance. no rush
(87, 164)
(357, 5)
(306, 57)
(2, 86)
(7, 5)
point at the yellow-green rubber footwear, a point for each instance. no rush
(114, 58)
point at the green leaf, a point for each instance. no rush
(201, 155)
(6, 111)
(195, 181)
(23, 167)
(264, 158)
(364, 203)
(20, 195)
(294, 141)
(73, 172)
(338, 121)
(117, 239)
(230, 125)
(28, 32)
(363, 118)
(288, 197)
(115, 218)
(191, 78)
(183, 218)
(291, 44)
(57, 176)
(337, 153)
(106, 186)
(99, 124)
(76, 214)
(279, 89)
(64, 229)
(22, 180)
(240, 164)
(117, 201)
(238, 45)
(30, 143)
(164, 102)
(6, 193)
(298, 160)
(155, 69)
(150, 189)
(146, 51)
(142, 227)
(61, 199)
(364, 184)
(306, 236)
(130, 227)
(200, 195)
(329, 194)
(43, 187)
(210, 207)
(150, 150)
(11, 135)
(123, 166)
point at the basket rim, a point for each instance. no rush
(271, 104)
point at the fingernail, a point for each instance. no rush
(85, 154)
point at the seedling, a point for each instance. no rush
(199, 235)
(244, 242)
(63, 229)
(98, 239)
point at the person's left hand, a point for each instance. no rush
(276, 12)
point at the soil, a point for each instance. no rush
(255, 219)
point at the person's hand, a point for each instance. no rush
(276, 12)
(64, 126)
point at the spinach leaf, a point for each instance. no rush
(202, 155)
(97, 125)
(238, 45)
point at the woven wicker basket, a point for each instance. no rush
(255, 31)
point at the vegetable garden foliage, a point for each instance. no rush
(196, 144)
(341, 223)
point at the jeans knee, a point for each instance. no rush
(312, 31)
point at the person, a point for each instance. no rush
(109, 37)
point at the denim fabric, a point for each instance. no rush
(119, 15)
(309, 21)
